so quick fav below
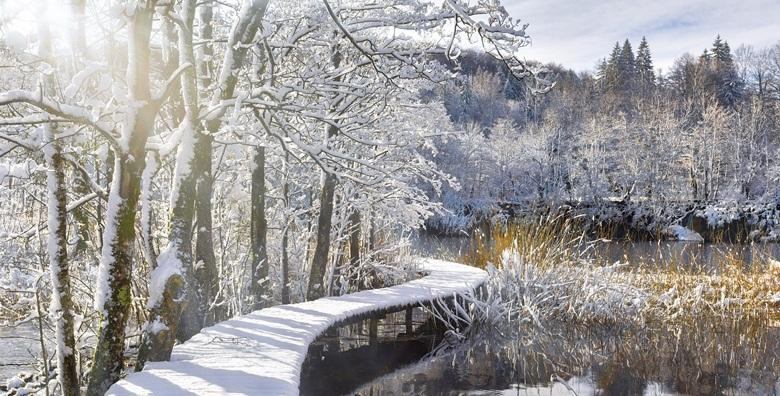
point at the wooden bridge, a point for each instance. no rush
(263, 352)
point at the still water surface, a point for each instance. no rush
(705, 359)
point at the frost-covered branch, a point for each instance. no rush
(69, 112)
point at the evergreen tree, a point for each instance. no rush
(644, 67)
(705, 56)
(602, 69)
(612, 69)
(724, 78)
(626, 68)
(721, 52)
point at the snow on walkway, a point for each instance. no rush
(262, 353)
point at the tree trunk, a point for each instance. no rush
(112, 297)
(316, 287)
(206, 273)
(108, 168)
(259, 230)
(285, 259)
(167, 316)
(354, 238)
(61, 308)
(152, 165)
(193, 315)
(175, 310)
(319, 263)
(81, 215)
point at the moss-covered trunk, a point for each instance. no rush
(112, 299)
(62, 297)
(61, 308)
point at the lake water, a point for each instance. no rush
(19, 349)
(701, 360)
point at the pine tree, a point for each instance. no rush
(602, 70)
(612, 73)
(626, 68)
(721, 52)
(727, 84)
(644, 67)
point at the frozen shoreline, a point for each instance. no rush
(263, 352)
(727, 221)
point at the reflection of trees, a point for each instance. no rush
(704, 358)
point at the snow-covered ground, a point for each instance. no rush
(262, 352)
(681, 233)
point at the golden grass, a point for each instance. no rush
(674, 290)
(736, 287)
(548, 242)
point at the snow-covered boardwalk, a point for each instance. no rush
(262, 353)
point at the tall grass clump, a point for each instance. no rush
(545, 271)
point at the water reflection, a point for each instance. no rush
(355, 353)
(713, 358)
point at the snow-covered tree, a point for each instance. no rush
(176, 98)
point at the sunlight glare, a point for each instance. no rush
(20, 20)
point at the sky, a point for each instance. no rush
(577, 33)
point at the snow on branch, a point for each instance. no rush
(73, 113)
(171, 84)
(17, 170)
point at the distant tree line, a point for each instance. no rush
(705, 130)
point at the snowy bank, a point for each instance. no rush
(681, 233)
(262, 352)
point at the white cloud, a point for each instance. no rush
(578, 33)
